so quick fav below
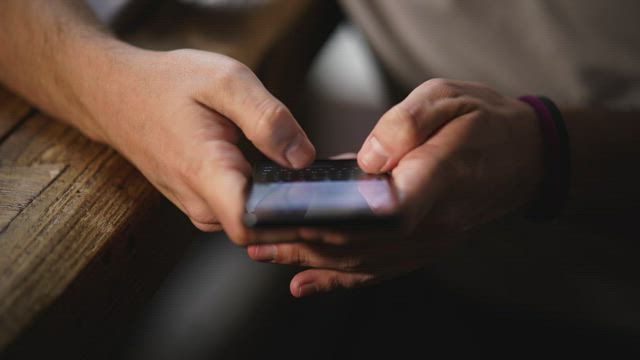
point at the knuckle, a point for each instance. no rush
(206, 227)
(297, 257)
(476, 108)
(336, 239)
(270, 113)
(239, 237)
(200, 226)
(190, 171)
(333, 282)
(481, 112)
(186, 169)
(368, 279)
(486, 89)
(200, 213)
(232, 69)
(352, 263)
(467, 104)
(229, 75)
(480, 86)
(358, 280)
(288, 254)
(202, 163)
(435, 82)
(180, 55)
(351, 282)
(406, 125)
(442, 87)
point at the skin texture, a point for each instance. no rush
(459, 153)
(177, 115)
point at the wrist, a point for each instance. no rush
(530, 165)
(88, 74)
(556, 159)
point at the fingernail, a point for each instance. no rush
(375, 156)
(300, 152)
(265, 252)
(308, 289)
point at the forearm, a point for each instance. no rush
(53, 53)
(605, 151)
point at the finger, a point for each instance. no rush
(311, 255)
(240, 96)
(197, 210)
(274, 236)
(408, 124)
(222, 182)
(193, 206)
(317, 281)
(205, 227)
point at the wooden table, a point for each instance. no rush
(84, 238)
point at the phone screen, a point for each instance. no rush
(329, 193)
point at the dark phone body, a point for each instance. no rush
(329, 194)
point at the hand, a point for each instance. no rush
(178, 116)
(459, 153)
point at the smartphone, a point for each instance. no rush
(328, 193)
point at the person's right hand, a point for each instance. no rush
(177, 116)
(459, 154)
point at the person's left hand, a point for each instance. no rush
(459, 154)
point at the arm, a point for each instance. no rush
(176, 115)
(605, 150)
(45, 45)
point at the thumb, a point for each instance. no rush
(265, 121)
(404, 127)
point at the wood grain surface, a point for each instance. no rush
(58, 233)
(19, 185)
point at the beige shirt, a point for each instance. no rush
(578, 52)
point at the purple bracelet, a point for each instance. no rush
(554, 189)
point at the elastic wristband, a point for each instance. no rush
(564, 155)
(555, 182)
